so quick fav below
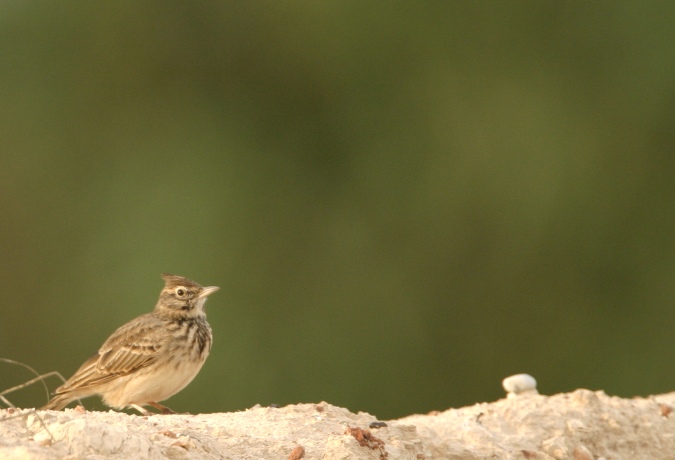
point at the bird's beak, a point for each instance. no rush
(207, 291)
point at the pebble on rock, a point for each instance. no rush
(519, 384)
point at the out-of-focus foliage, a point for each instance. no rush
(402, 202)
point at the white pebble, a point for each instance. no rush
(519, 383)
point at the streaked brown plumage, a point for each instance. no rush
(150, 358)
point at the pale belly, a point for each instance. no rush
(153, 384)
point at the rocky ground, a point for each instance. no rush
(581, 425)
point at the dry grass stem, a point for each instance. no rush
(38, 378)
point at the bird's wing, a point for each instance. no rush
(131, 347)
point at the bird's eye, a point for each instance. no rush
(180, 292)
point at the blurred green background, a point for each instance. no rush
(402, 202)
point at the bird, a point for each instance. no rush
(150, 358)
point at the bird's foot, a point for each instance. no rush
(163, 409)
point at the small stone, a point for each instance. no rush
(581, 453)
(519, 384)
(297, 453)
(377, 425)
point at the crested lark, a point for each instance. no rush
(150, 358)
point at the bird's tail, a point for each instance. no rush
(58, 402)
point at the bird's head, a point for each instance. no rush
(183, 297)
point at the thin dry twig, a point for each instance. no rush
(30, 382)
(39, 378)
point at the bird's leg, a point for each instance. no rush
(165, 410)
(140, 409)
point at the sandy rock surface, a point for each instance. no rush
(581, 425)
